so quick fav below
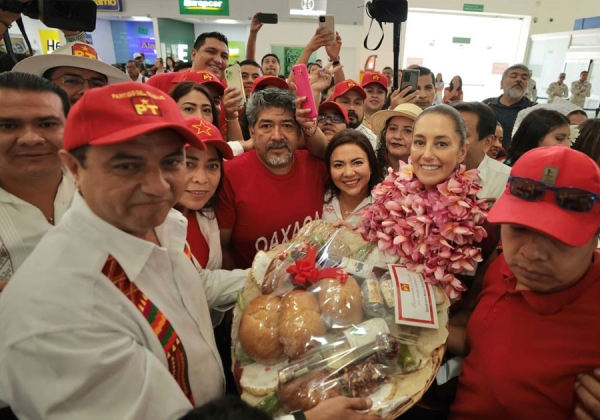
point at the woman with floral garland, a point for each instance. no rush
(428, 217)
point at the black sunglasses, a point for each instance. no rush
(568, 198)
(336, 119)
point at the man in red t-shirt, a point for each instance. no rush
(534, 329)
(270, 192)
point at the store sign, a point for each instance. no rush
(467, 7)
(109, 5)
(204, 7)
(50, 40)
(147, 45)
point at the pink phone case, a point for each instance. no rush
(304, 89)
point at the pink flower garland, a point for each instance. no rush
(432, 231)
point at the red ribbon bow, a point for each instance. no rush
(306, 272)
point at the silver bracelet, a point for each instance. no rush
(81, 36)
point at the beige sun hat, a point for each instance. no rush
(380, 118)
(75, 54)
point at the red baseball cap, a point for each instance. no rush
(202, 77)
(121, 112)
(336, 107)
(375, 77)
(555, 166)
(346, 86)
(209, 135)
(269, 81)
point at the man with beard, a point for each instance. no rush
(351, 96)
(507, 106)
(270, 192)
(375, 85)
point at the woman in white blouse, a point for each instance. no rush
(353, 173)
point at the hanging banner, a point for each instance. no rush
(204, 7)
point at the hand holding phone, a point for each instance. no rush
(410, 77)
(304, 89)
(328, 22)
(233, 76)
(269, 18)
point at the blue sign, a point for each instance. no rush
(109, 5)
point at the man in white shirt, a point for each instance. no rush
(134, 70)
(480, 122)
(351, 96)
(35, 192)
(108, 317)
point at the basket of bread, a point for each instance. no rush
(326, 315)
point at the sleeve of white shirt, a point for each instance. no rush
(72, 375)
(221, 287)
(236, 147)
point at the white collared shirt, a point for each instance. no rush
(333, 212)
(73, 346)
(370, 135)
(494, 176)
(22, 225)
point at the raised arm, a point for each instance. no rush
(255, 26)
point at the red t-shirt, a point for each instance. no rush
(264, 209)
(165, 81)
(528, 348)
(196, 240)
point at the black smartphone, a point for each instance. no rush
(410, 77)
(270, 18)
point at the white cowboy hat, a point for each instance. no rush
(75, 54)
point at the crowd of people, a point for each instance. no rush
(130, 215)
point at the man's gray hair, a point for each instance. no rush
(269, 98)
(514, 67)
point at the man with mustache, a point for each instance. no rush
(35, 191)
(532, 334)
(507, 106)
(270, 192)
(351, 96)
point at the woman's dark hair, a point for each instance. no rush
(172, 66)
(532, 130)
(459, 85)
(588, 141)
(226, 408)
(350, 136)
(183, 88)
(182, 65)
(458, 124)
(326, 90)
(381, 152)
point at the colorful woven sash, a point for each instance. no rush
(166, 334)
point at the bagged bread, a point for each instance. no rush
(259, 330)
(341, 302)
(300, 321)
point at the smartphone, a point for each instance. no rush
(303, 84)
(410, 77)
(233, 76)
(270, 18)
(328, 22)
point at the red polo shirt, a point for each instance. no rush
(528, 348)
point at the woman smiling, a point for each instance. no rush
(353, 173)
(396, 131)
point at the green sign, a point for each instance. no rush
(204, 7)
(290, 57)
(237, 51)
(457, 40)
(472, 7)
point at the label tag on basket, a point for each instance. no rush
(414, 299)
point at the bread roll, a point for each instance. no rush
(299, 322)
(341, 303)
(277, 278)
(259, 330)
(306, 391)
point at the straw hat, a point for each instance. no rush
(379, 119)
